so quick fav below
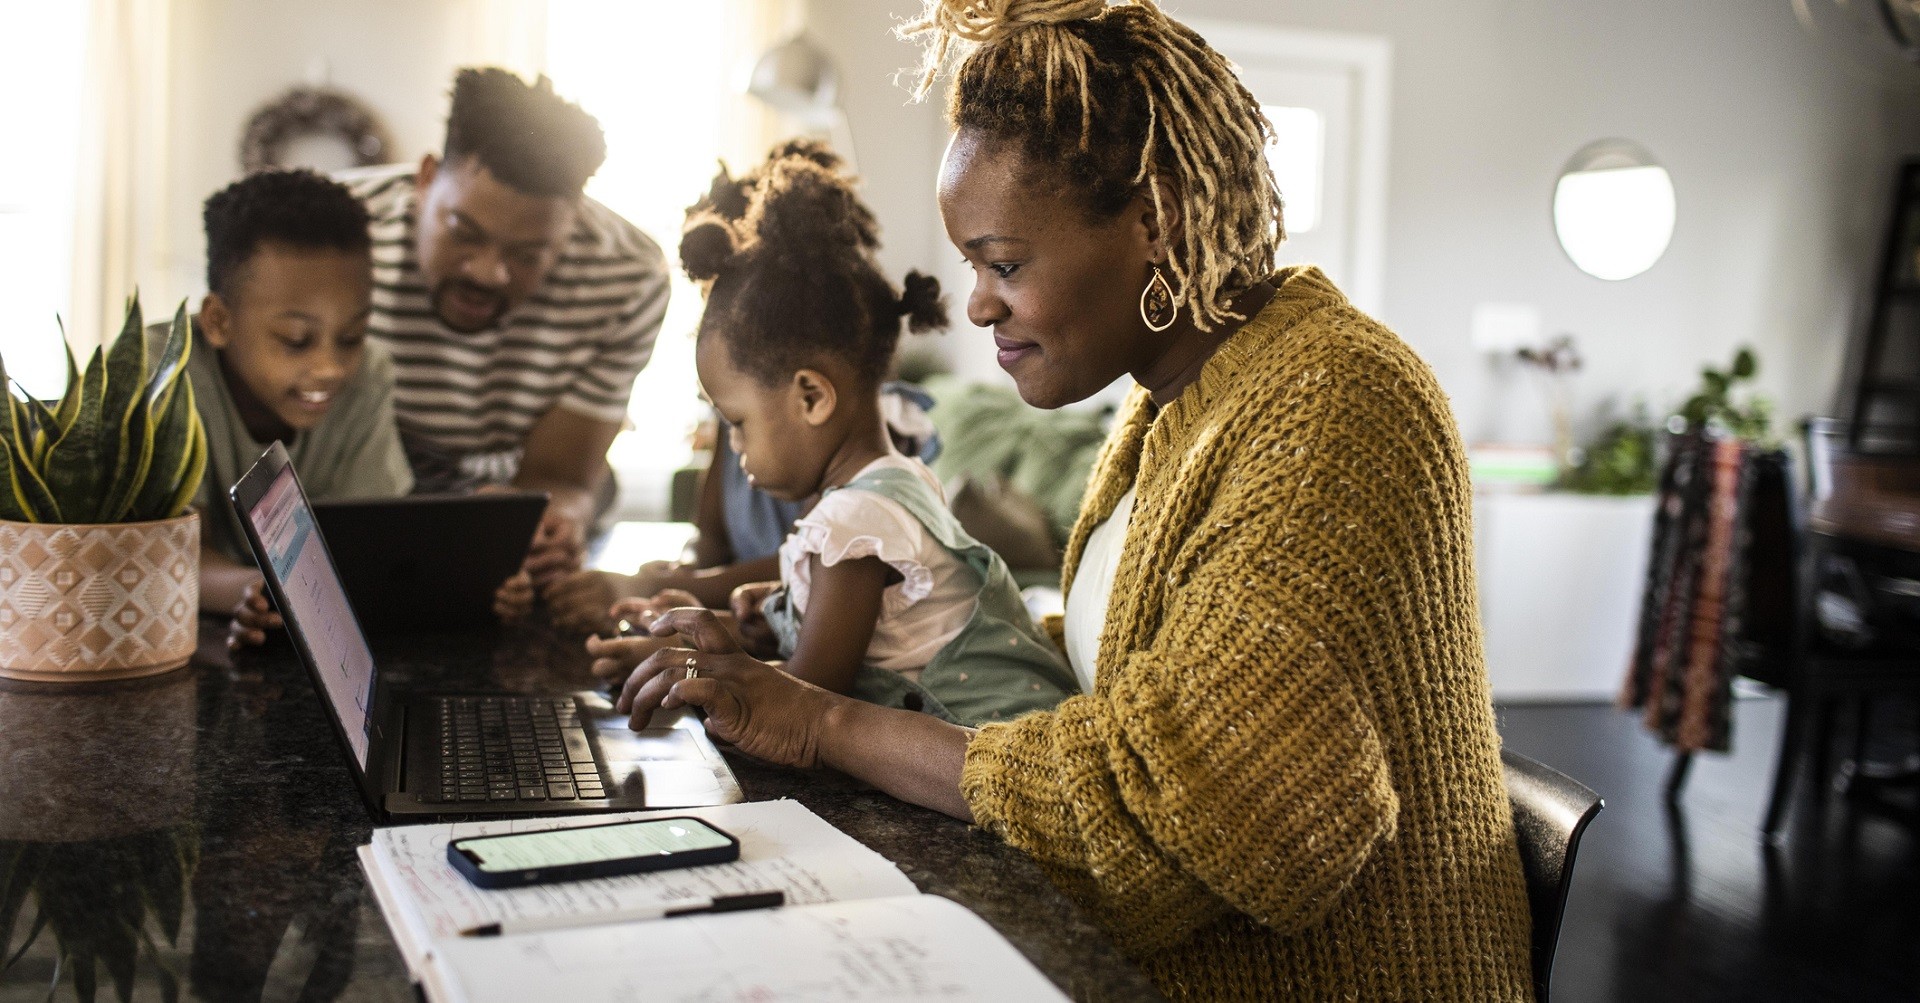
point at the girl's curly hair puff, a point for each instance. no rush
(786, 256)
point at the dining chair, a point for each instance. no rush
(1550, 812)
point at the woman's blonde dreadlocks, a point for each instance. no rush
(1124, 97)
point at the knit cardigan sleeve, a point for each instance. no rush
(1230, 762)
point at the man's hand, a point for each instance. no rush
(514, 599)
(655, 576)
(559, 545)
(253, 616)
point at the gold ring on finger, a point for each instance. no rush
(693, 670)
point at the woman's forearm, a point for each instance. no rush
(914, 757)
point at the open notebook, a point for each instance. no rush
(854, 927)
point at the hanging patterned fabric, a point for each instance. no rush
(1693, 637)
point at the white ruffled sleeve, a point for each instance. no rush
(850, 524)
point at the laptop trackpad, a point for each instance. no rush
(670, 764)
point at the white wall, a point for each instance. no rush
(1781, 158)
(897, 143)
(1782, 161)
(231, 56)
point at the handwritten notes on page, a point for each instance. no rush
(783, 846)
(920, 947)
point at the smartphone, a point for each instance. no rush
(515, 859)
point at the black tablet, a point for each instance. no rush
(428, 562)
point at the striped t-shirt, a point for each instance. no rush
(465, 402)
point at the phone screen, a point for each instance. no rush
(590, 844)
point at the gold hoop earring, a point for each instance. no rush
(1157, 308)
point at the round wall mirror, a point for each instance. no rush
(1613, 209)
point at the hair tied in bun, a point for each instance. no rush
(983, 22)
(726, 197)
(922, 304)
(707, 247)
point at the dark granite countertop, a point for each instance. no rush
(193, 835)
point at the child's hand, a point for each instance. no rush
(614, 657)
(756, 636)
(638, 613)
(253, 616)
(579, 601)
(514, 599)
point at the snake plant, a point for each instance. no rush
(124, 444)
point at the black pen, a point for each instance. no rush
(657, 910)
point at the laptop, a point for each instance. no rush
(428, 562)
(422, 754)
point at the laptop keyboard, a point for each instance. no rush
(507, 748)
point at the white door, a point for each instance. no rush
(1327, 97)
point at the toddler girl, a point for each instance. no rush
(881, 594)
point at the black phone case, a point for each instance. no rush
(595, 869)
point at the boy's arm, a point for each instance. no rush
(229, 588)
(223, 581)
(842, 609)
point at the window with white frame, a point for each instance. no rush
(663, 80)
(1326, 94)
(41, 60)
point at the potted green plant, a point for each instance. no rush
(1625, 458)
(99, 556)
(1714, 407)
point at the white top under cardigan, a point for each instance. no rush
(1093, 591)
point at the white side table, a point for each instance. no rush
(1560, 582)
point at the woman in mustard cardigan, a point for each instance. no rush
(1283, 780)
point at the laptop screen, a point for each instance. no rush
(317, 606)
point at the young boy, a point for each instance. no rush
(280, 352)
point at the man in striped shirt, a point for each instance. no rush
(516, 309)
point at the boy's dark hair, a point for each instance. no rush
(533, 140)
(298, 208)
(786, 254)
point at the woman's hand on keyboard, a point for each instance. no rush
(614, 657)
(750, 704)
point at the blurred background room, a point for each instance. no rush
(1664, 258)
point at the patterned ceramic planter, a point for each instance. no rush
(80, 603)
